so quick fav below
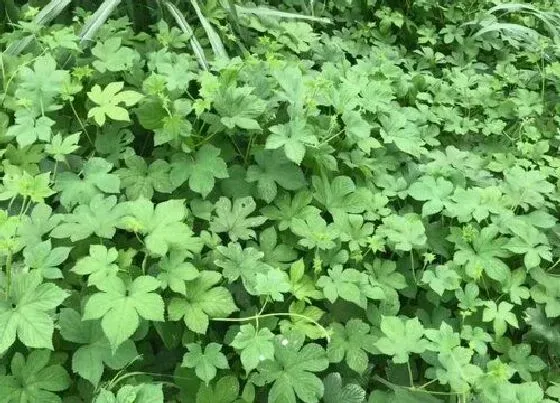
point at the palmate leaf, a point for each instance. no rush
(200, 169)
(108, 101)
(401, 338)
(234, 218)
(33, 379)
(89, 360)
(336, 393)
(205, 362)
(274, 169)
(141, 393)
(292, 371)
(120, 306)
(256, 345)
(203, 300)
(99, 217)
(141, 179)
(95, 178)
(351, 343)
(162, 225)
(27, 312)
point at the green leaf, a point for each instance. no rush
(202, 301)
(401, 337)
(27, 312)
(457, 371)
(234, 218)
(34, 226)
(162, 225)
(108, 101)
(27, 129)
(42, 84)
(45, 258)
(33, 379)
(225, 390)
(340, 194)
(99, 266)
(442, 278)
(352, 342)
(175, 271)
(500, 316)
(120, 307)
(238, 107)
(336, 393)
(523, 362)
(405, 232)
(200, 170)
(484, 255)
(60, 147)
(293, 137)
(432, 191)
(113, 57)
(95, 179)
(314, 232)
(274, 169)
(89, 360)
(350, 285)
(142, 393)
(99, 217)
(205, 362)
(286, 208)
(141, 180)
(245, 263)
(255, 346)
(292, 371)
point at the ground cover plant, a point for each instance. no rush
(298, 201)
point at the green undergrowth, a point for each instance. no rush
(336, 201)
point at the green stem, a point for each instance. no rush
(268, 315)
(410, 376)
(11, 10)
(8, 274)
(144, 261)
(412, 266)
(394, 386)
(81, 123)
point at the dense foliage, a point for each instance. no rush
(336, 201)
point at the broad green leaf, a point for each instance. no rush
(255, 346)
(113, 57)
(234, 218)
(200, 169)
(352, 344)
(405, 232)
(120, 306)
(32, 379)
(99, 217)
(27, 312)
(432, 191)
(108, 101)
(274, 169)
(89, 360)
(292, 371)
(175, 271)
(336, 393)
(161, 225)
(95, 178)
(203, 299)
(141, 180)
(100, 265)
(401, 337)
(205, 362)
(46, 259)
(500, 316)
